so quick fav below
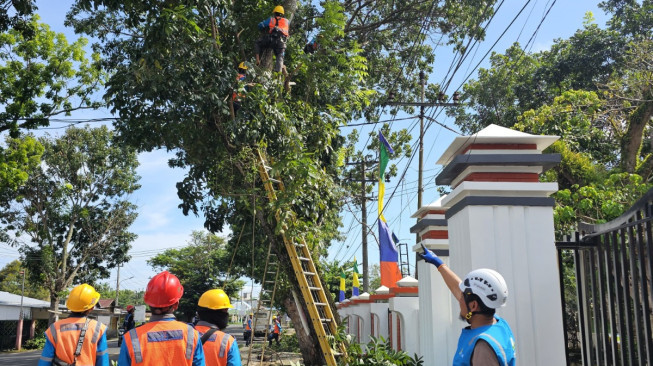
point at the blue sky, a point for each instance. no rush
(161, 224)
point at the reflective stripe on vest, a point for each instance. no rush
(189, 343)
(96, 333)
(223, 345)
(136, 346)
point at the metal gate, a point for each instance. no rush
(609, 320)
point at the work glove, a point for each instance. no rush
(430, 257)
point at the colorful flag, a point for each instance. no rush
(356, 285)
(384, 158)
(341, 298)
(390, 272)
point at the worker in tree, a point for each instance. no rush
(77, 339)
(248, 330)
(275, 330)
(236, 97)
(312, 45)
(163, 340)
(220, 348)
(275, 32)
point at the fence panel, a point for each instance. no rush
(611, 295)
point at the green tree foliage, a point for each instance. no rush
(125, 297)
(12, 281)
(14, 14)
(19, 156)
(70, 220)
(200, 266)
(43, 76)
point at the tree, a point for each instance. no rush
(42, 76)
(172, 66)
(74, 210)
(19, 156)
(201, 266)
(13, 14)
(12, 281)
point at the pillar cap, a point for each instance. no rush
(433, 206)
(364, 296)
(382, 290)
(494, 134)
(407, 281)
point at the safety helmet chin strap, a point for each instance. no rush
(470, 313)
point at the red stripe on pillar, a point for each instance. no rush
(436, 234)
(500, 147)
(502, 177)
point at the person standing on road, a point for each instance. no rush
(163, 341)
(248, 330)
(275, 330)
(77, 339)
(129, 322)
(220, 348)
(488, 340)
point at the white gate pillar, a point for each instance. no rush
(501, 217)
(437, 331)
(405, 325)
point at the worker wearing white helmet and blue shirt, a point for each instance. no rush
(488, 340)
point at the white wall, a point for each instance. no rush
(406, 309)
(13, 312)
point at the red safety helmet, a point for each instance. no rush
(130, 308)
(163, 290)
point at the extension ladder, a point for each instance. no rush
(313, 294)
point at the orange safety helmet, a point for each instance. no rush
(163, 290)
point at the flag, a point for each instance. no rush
(341, 298)
(390, 273)
(356, 285)
(384, 158)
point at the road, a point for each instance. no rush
(31, 358)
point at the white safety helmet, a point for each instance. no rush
(488, 285)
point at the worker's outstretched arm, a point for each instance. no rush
(450, 278)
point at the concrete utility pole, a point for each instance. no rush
(364, 164)
(19, 331)
(422, 105)
(117, 287)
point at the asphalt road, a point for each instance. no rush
(31, 358)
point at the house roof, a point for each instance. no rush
(105, 303)
(9, 299)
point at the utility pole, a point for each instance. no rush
(117, 287)
(19, 330)
(364, 164)
(422, 106)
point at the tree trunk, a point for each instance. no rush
(306, 341)
(54, 309)
(632, 142)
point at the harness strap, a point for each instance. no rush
(80, 342)
(208, 335)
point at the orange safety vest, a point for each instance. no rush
(236, 96)
(64, 336)
(247, 324)
(281, 23)
(276, 327)
(216, 348)
(158, 343)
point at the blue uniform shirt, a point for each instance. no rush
(498, 336)
(101, 357)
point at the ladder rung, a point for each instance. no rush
(320, 304)
(272, 272)
(300, 245)
(314, 288)
(326, 320)
(309, 273)
(304, 259)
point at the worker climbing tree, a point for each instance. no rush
(274, 35)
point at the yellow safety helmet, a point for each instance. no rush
(251, 314)
(274, 317)
(215, 299)
(242, 66)
(82, 298)
(278, 9)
